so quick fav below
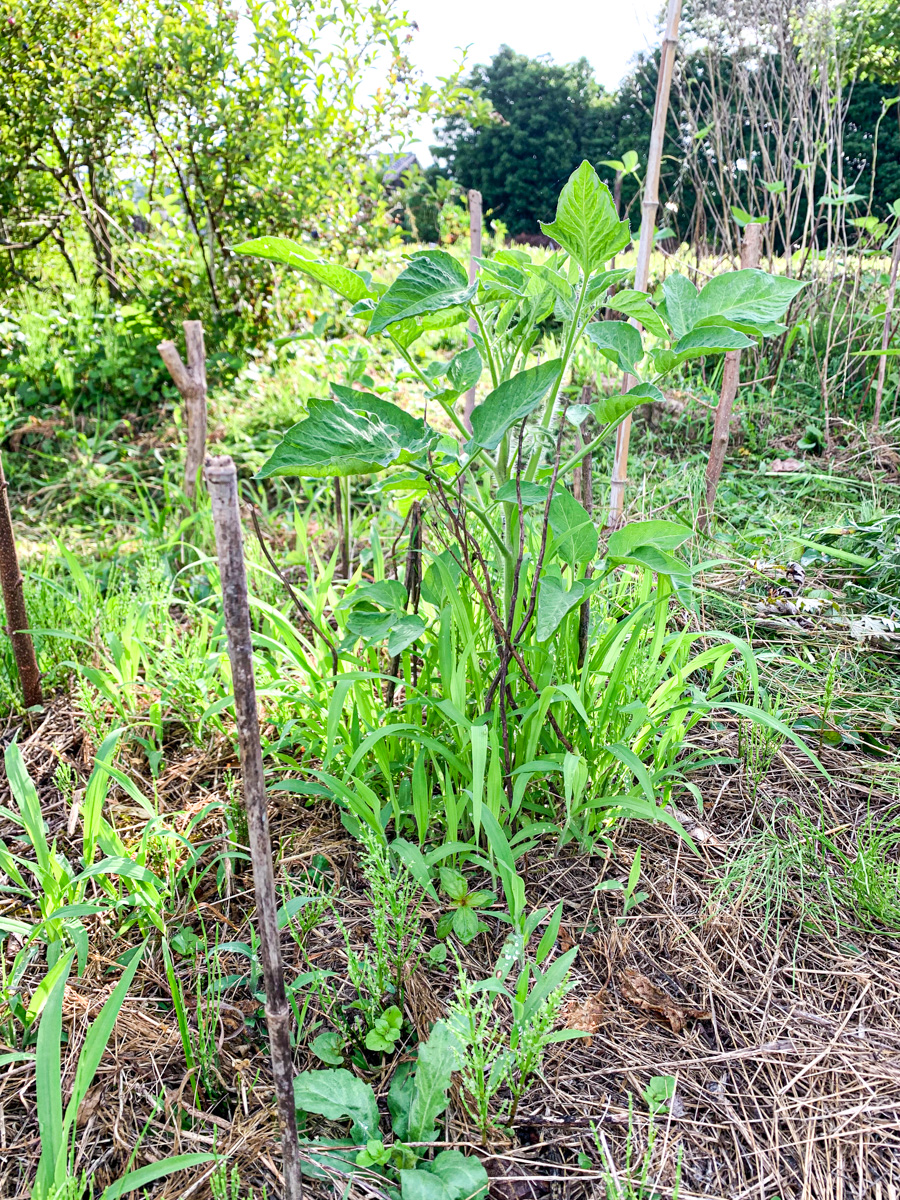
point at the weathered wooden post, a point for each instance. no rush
(191, 383)
(731, 374)
(221, 482)
(14, 600)
(649, 205)
(474, 253)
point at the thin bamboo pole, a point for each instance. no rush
(191, 383)
(649, 205)
(475, 221)
(731, 376)
(221, 482)
(14, 601)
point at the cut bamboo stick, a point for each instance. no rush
(221, 483)
(649, 205)
(731, 376)
(475, 218)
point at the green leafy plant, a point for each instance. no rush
(462, 919)
(417, 1097)
(495, 1056)
(385, 1033)
(491, 632)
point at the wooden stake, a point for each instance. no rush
(474, 253)
(191, 383)
(886, 334)
(649, 205)
(221, 482)
(14, 600)
(731, 374)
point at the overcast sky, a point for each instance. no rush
(607, 32)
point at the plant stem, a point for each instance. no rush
(221, 482)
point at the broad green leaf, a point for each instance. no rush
(433, 590)
(750, 300)
(435, 1065)
(514, 399)
(681, 303)
(335, 440)
(709, 339)
(555, 601)
(619, 342)
(389, 593)
(153, 1171)
(599, 284)
(410, 427)
(637, 305)
(531, 493)
(657, 560)
(347, 283)
(586, 224)
(611, 408)
(434, 280)
(574, 531)
(327, 1047)
(665, 535)
(422, 1185)
(464, 370)
(339, 1095)
(404, 632)
(400, 1097)
(744, 218)
(463, 1175)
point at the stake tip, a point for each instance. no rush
(219, 468)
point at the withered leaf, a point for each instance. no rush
(638, 990)
(586, 1015)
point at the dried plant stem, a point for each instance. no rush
(731, 374)
(413, 585)
(14, 600)
(221, 481)
(191, 383)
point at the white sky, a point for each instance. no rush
(607, 32)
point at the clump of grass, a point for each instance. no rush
(794, 869)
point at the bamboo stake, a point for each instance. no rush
(474, 253)
(221, 482)
(649, 205)
(731, 375)
(14, 600)
(191, 383)
(886, 333)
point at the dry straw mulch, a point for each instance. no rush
(785, 1042)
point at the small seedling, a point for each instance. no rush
(463, 917)
(659, 1093)
(386, 1032)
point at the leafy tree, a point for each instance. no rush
(545, 121)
